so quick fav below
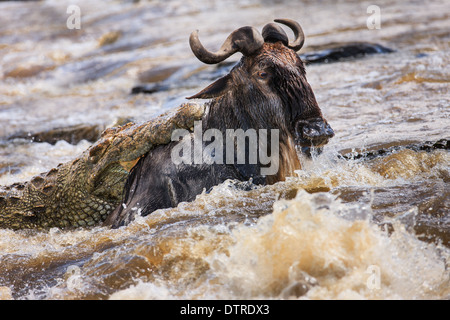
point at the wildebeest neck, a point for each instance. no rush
(255, 112)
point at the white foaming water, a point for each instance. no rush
(307, 249)
(370, 229)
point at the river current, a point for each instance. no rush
(345, 227)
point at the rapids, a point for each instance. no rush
(343, 228)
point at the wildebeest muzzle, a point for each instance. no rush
(313, 132)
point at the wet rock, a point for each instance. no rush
(427, 146)
(149, 89)
(335, 52)
(72, 134)
(159, 79)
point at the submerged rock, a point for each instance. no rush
(337, 51)
(72, 134)
(372, 154)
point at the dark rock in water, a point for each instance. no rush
(149, 88)
(430, 146)
(427, 146)
(336, 52)
(157, 79)
(72, 134)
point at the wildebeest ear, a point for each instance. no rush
(215, 89)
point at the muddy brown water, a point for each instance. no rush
(323, 234)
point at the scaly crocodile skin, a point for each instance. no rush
(83, 192)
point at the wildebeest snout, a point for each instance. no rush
(313, 132)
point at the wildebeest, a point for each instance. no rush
(267, 92)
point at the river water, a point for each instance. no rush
(342, 228)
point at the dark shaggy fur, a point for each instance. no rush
(265, 91)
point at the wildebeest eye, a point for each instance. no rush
(263, 75)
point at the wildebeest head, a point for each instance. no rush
(269, 83)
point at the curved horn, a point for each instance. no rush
(297, 44)
(273, 33)
(246, 40)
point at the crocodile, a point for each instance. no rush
(83, 192)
